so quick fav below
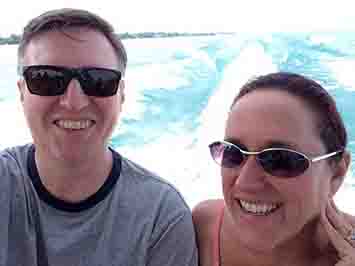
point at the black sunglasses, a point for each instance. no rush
(48, 80)
(278, 162)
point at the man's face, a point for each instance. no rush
(71, 127)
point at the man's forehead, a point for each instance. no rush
(74, 44)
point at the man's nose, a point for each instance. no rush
(74, 97)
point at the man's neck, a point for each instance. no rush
(74, 181)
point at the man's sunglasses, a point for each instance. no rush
(48, 80)
(278, 162)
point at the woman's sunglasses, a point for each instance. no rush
(278, 162)
(48, 80)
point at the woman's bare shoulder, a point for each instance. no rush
(207, 212)
(206, 216)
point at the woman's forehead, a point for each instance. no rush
(272, 115)
(281, 103)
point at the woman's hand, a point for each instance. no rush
(340, 228)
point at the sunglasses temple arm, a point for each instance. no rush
(325, 156)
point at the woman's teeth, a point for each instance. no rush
(258, 208)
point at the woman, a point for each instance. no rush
(282, 160)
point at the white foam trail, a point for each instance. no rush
(164, 74)
(343, 69)
(322, 38)
(344, 198)
(252, 61)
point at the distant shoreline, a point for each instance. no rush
(15, 39)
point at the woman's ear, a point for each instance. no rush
(341, 169)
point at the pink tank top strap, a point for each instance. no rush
(217, 233)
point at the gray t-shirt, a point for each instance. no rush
(135, 218)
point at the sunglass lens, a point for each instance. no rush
(283, 163)
(226, 155)
(100, 82)
(45, 82)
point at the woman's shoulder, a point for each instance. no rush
(207, 217)
(207, 211)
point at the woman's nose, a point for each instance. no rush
(251, 175)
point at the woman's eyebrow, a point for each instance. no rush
(268, 144)
(236, 142)
(280, 144)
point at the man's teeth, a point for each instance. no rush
(258, 208)
(70, 124)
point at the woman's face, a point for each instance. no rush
(265, 119)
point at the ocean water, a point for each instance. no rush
(178, 91)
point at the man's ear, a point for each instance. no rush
(341, 169)
(21, 85)
(121, 87)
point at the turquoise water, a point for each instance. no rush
(178, 91)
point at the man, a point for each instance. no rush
(68, 198)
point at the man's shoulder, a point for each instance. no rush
(147, 184)
(13, 162)
(14, 155)
(139, 174)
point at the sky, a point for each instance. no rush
(195, 15)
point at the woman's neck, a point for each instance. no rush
(297, 252)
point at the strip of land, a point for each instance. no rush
(14, 38)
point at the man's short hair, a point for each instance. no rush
(62, 19)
